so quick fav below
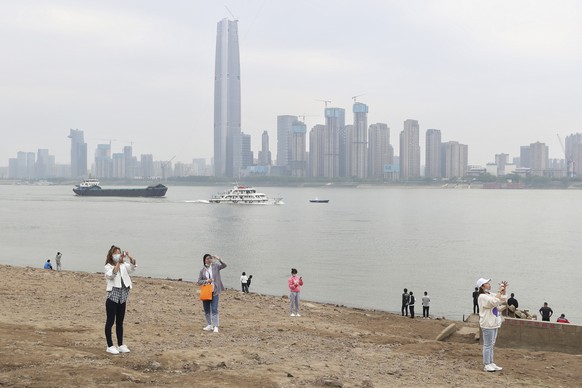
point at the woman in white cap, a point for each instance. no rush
(490, 319)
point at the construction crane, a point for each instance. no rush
(231, 14)
(359, 95)
(567, 159)
(325, 102)
(164, 165)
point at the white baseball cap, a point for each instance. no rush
(482, 281)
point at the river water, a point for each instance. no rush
(360, 250)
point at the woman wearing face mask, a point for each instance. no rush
(118, 266)
(210, 274)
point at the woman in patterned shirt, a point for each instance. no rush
(118, 266)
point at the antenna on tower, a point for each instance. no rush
(231, 14)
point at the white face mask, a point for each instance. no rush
(116, 257)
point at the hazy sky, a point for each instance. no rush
(491, 74)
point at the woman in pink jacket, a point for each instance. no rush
(295, 282)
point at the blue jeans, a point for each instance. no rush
(211, 306)
(294, 302)
(489, 337)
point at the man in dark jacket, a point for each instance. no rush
(405, 301)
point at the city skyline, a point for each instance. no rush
(494, 76)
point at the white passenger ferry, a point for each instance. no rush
(244, 195)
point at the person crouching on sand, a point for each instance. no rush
(295, 282)
(118, 266)
(490, 319)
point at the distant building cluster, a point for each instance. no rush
(336, 149)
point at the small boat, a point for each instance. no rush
(317, 200)
(90, 188)
(244, 195)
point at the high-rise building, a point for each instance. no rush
(103, 162)
(334, 128)
(45, 164)
(574, 154)
(147, 165)
(265, 153)
(118, 165)
(525, 157)
(246, 153)
(410, 150)
(454, 159)
(298, 160)
(432, 168)
(357, 143)
(130, 162)
(78, 154)
(284, 134)
(539, 158)
(316, 150)
(380, 152)
(227, 101)
(501, 160)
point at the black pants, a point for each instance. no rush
(411, 308)
(115, 313)
(404, 309)
(475, 307)
(425, 311)
(245, 287)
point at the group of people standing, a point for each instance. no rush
(119, 264)
(408, 300)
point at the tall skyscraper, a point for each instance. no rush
(103, 161)
(265, 153)
(246, 153)
(284, 134)
(433, 153)
(227, 101)
(335, 122)
(539, 158)
(298, 160)
(525, 156)
(78, 154)
(410, 150)
(357, 143)
(316, 150)
(380, 152)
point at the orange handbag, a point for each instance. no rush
(206, 292)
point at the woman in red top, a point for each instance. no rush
(563, 319)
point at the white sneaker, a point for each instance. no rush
(216, 329)
(208, 328)
(489, 368)
(495, 366)
(123, 349)
(292, 314)
(298, 315)
(112, 350)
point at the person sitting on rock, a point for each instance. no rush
(562, 319)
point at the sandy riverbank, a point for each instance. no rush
(51, 335)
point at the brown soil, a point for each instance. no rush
(51, 335)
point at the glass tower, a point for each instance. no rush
(227, 103)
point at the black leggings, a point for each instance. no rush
(115, 313)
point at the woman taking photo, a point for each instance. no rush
(210, 274)
(490, 319)
(118, 266)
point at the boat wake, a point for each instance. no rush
(198, 201)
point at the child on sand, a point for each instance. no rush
(295, 282)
